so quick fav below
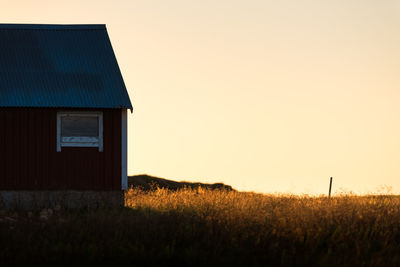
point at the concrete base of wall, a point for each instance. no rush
(62, 199)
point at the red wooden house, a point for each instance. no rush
(63, 116)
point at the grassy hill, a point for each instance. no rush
(147, 182)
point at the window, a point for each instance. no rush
(79, 129)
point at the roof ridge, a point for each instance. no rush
(53, 26)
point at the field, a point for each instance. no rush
(209, 227)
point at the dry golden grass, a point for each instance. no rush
(209, 228)
(344, 230)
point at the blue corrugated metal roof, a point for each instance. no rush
(59, 66)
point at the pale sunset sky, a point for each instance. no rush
(266, 96)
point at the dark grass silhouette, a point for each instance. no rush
(203, 227)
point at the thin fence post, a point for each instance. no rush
(330, 187)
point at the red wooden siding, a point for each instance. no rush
(29, 160)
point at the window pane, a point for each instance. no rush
(79, 126)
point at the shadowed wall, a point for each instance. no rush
(29, 160)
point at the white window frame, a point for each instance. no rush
(79, 141)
